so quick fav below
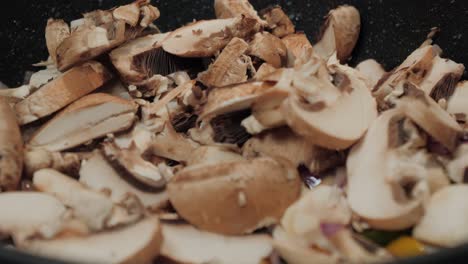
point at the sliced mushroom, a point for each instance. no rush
(270, 190)
(298, 46)
(96, 209)
(444, 223)
(425, 112)
(278, 22)
(107, 247)
(395, 180)
(60, 92)
(264, 70)
(457, 104)
(339, 33)
(185, 244)
(232, 99)
(56, 31)
(90, 117)
(205, 155)
(42, 77)
(129, 13)
(11, 150)
(230, 67)
(98, 174)
(235, 8)
(116, 88)
(457, 168)
(14, 95)
(372, 70)
(68, 162)
(269, 48)
(205, 38)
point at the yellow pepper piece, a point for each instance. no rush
(405, 247)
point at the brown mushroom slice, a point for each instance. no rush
(235, 8)
(270, 190)
(205, 155)
(186, 244)
(372, 70)
(60, 92)
(232, 99)
(106, 247)
(298, 46)
(283, 143)
(339, 124)
(205, 38)
(99, 175)
(65, 162)
(11, 150)
(56, 31)
(228, 68)
(269, 48)
(383, 202)
(30, 213)
(264, 70)
(129, 13)
(339, 33)
(425, 112)
(444, 223)
(91, 117)
(457, 104)
(278, 22)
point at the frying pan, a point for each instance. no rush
(391, 29)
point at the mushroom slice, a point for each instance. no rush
(60, 92)
(235, 8)
(339, 33)
(395, 187)
(283, 143)
(338, 123)
(260, 190)
(205, 155)
(444, 223)
(457, 168)
(15, 95)
(298, 46)
(56, 31)
(185, 244)
(372, 70)
(229, 68)
(91, 117)
(30, 213)
(233, 98)
(129, 13)
(11, 150)
(205, 38)
(269, 48)
(425, 112)
(278, 22)
(106, 247)
(95, 208)
(66, 162)
(457, 104)
(99, 175)
(264, 70)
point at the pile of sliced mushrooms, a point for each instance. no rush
(231, 140)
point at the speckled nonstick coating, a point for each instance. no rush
(391, 29)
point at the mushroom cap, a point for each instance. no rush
(88, 118)
(269, 48)
(106, 247)
(260, 190)
(186, 244)
(445, 221)
(371, 193)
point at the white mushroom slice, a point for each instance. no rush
(90, 117)
(98, 174)
(298, 46)
(232, 99)
(60, 92)
(283, 143)
(172, 145)
(30, 213)
(334, 125)
(129, 13)
(235, 8)
(340, 33)
(444, 223)
(278, 22)
(264, 70)
(457, 168)
(37, 159)
(205, 38)
(56, 31)
(11, 148)
(38, 79)
(94, 208)
(260, 190)
(205, 155)
(425, 112)
(383, 201)
(228, 68)
(116, 88)
(185, 244)
(372, 70)
(14, 95)
(457, 104)
(269, 48)
(137, 243)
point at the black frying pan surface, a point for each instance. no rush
(391, 29)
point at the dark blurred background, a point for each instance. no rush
(391, 29)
